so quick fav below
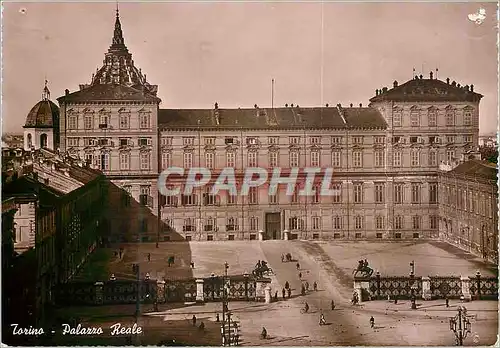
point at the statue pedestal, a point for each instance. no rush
(267, 294)
(286, 235)
(200, 295)
(261, 235)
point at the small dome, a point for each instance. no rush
(44, 114)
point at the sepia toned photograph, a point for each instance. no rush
(249, 173)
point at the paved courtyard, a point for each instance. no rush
(330, 264)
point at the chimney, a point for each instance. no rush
(216, 106)
(431, 75)
(467, 88)
(298, 106)
(326, 105)
(255, 106)
(360, 105)
(454, 84)
(472, 88)
(376, 92)
(339, 105)
(421, 76)
(66, 92)
(286, 105)
(395, 84)
(350, 105)
(384, 89)
(291, 105)
(448, 80)
(458, 85)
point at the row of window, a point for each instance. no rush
(252, 158)
(313, 140)
(450, 117)
(465, 200)
(358, 196)
(295, 223)
(104, 121)
(102, 161)
(123, 142)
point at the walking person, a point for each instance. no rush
(333, 305)
(322, 320)
(300, 275)
(287, 285)
(282, 258)
(194, 320)
(149, 257)
(298, 266)
(283, 292)
(372, 322)
(276, 295)
(289, 292)
(315, 286)
(447, 302)
(307, 286)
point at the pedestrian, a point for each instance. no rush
(395, 299)
(300, 275)
(322, 320)
(283, 292)
(149, 257)
(303, 290)
(447, 302)
(276, 295)
(287, 285)
(315, 286)
(298, 266)
(372, 322)
(194, 320)
(289, 292)
(282, 258)
(263, 334)
(333, 305)
(307, 286)
(157, 245)
(217, 319)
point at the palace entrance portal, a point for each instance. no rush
(273, 226)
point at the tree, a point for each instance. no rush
(489, 153)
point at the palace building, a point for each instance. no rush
(385, 156)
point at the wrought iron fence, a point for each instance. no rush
(446, 287)
(400, 287)
(484, 287)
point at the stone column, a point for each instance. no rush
(286, 234)
(466, 288)
(261, 235)
(99, 297)
(426, 288)
(267, 294)
(200, 295)
(160, 291)
(260, 287)
(359, 286)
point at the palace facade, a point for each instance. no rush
(385, 157)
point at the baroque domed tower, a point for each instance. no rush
(41, 129)
(118, 66)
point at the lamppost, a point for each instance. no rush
(413, 286)
(460, 325)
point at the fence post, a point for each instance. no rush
(378, 284)
(466, 288)
(426, 288)
(478, 280)
(99, 293)
(200, 295)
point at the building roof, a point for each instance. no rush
(269, 118)
(45, 114)
(427, 90)
(478, 168)
(108, 92)
(57, 174)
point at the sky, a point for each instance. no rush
(202, 53)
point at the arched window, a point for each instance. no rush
(43, 140)
(30, 141)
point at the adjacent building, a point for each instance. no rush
(468, 207)
(52, 211)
